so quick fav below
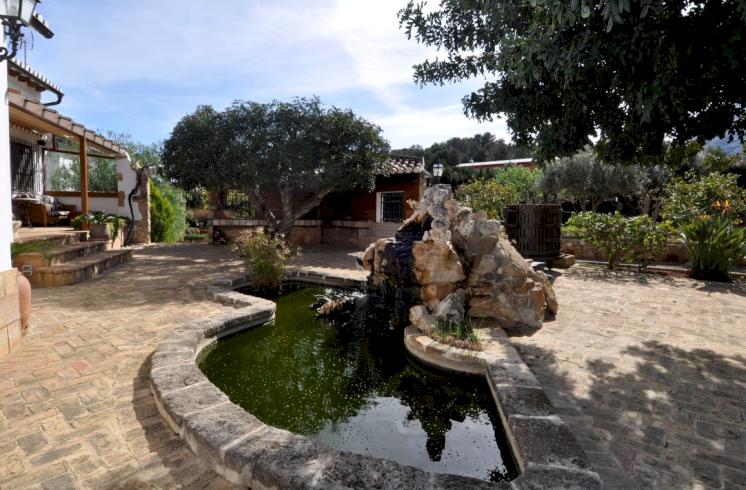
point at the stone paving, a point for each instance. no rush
(649, 372)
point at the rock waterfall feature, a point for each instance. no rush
(447, 263)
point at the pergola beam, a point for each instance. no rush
(83, 176)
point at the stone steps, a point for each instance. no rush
(57, 238)
(80, 269)
(60, 254)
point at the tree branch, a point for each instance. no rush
(312, 202)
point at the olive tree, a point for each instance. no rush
(287, 156)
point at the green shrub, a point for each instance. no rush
(714, 245)
(510, 186)
(608, 232)
(265, 257)
(489, 196)
(648, 239)
(713, 195)
(167, 212)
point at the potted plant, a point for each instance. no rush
(101, 224)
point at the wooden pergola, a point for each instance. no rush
(36, 116)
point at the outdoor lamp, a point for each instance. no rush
(437, 171)
(14, 15)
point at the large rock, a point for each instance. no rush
(448, 262)
(436, 262)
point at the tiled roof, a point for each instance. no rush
(400, 164)
(27, 74)
(63, 124)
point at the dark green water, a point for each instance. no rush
(360, 392)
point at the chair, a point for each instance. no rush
(50, 212)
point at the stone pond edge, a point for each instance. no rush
(543, 446)
(249, 453)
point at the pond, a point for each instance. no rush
(355, 388)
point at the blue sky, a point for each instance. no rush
(137, 66)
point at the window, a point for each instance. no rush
(22, 167)
(391, 207)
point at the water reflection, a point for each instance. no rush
(353, 387)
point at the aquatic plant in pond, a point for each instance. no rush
(355, 389)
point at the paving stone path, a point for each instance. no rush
(649, 372)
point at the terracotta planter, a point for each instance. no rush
(99, 230)
(24, 300)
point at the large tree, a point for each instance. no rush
(631, 73)
(285, 155)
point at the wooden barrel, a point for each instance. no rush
(536, 229)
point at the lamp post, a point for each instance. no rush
(15, 14)
(437, 172)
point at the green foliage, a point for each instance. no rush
(285, 149)
(265, 256)
(630, 73)
(648, 239)
(478, 148)
(509, 186)
(589, 181)
(461, 334)
(197, 199)
(716, 160)
(102, 176)
(167, 212)
(143, 154)
(17, 249)
(486, 195)
(714, 245)
(608, 232)
(715, 194)
(115, 223)
(522, 180)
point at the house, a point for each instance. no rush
(58, 167)
(354, 218)
(51, 169)
(529, 163)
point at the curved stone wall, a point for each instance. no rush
(252, 454)
(544, 448)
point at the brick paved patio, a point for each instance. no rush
(649, 372)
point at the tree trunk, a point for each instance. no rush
(292, 210)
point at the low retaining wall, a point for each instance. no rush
(252, 454)
(673, 252)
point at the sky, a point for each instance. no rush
(138, 66)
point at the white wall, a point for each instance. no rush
(109, 204)
(26, 91)
(128, 182)
(6, 206)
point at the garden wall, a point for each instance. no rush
(673, 252)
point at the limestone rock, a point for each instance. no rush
(436, 262)
(422, 319)
(432, 294)
(452, 309)
(454, 263)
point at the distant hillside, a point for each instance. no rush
(731, 148)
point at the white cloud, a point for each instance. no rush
(158, 59)
(429, 126)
